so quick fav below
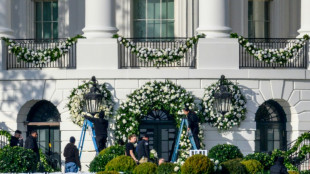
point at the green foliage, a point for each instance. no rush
(293, 172)
(6, 134)
(43, 166)
(252, 166)
(17, 160)
(121, 164)
(106, 155)
(263, 158)
(166, 168)
(305, 172)
(233, 167)
(108, 172)
(145, 168)
(224, 152)
(197, 164)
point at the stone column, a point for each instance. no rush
(99, 19)
(5, 19)
(213, 18)
(304, 18)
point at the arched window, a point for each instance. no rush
(160, 126)
(270, 127)
(44, 118)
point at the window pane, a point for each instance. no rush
(164, 29)
(270, 146)
(38, 11)
(39, 30)
(153, 28)
(276, 134)
(55, 11)
(55, 29)
(270, 134)
(153, 9)
(139, 9)
(47, 27)
(47, 11)
(170, 9)
(164, 9)
(139, 29)
(170, 30)
(277, 145)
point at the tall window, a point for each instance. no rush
(259, 18)
(270, 127)
(46, 19)
(153, 18)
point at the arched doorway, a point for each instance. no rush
(44, 118)
(160, 127)
(270, 127)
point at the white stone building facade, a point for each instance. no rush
(98, 54)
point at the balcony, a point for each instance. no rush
(66, 61)
(127, 59)
(298, 61)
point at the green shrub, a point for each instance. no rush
(197, 164)
(166, 168)
(305, 172)
(145, 168)
(17, 160)
(121, 164)
(252, 166)
(99, 162)
(224, 152)
(293, 172)
(233, 167)
(43, 166)
(263, 158)
(107, 172)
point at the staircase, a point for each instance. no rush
(303, 164)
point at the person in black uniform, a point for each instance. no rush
(101, 129)
(143, 150)
(193, 125)
(130, 147)
(31, 143)
(279, 167)
(17, 139)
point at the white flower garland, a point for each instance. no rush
(231, 118)
(272, 55)
(77, 102)
(154, 96)
(160, 56)
(38, 57)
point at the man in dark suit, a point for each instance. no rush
(31, 143)
(192, 124)
(143, 150)
(101, 129)
(17, 139)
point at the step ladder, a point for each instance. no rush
(177, 143)
(87, 124)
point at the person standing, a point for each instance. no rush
(130, 148)
(144, 150)
(193, 125)
(17, 139)
(72, 161)
(279, 167)
(31, 143)
(101, 130)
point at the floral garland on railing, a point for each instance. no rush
(164, 96)
(76, 102)
(160, 56)
(304, 150)
(232, 118)
(272, 55)
(38, 57)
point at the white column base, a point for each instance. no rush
(6, 32)
(302, 32)
(215, 32)
(92, 33)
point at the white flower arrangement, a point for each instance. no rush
(281, 56)
(231, 118)
(164, 96)
(153, 154)
(76, 102)
(160, 56)
(38, 57)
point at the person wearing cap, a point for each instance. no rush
(17, 139)
(143, 149)
(192, 124)
(71, 154)
(101, 129)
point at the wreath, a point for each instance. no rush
(164, 96)
(38, 57)
(272, 55)
(237, 111)
(160, 56)
(77, 103)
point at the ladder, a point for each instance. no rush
(87, 123)
(177, 143)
